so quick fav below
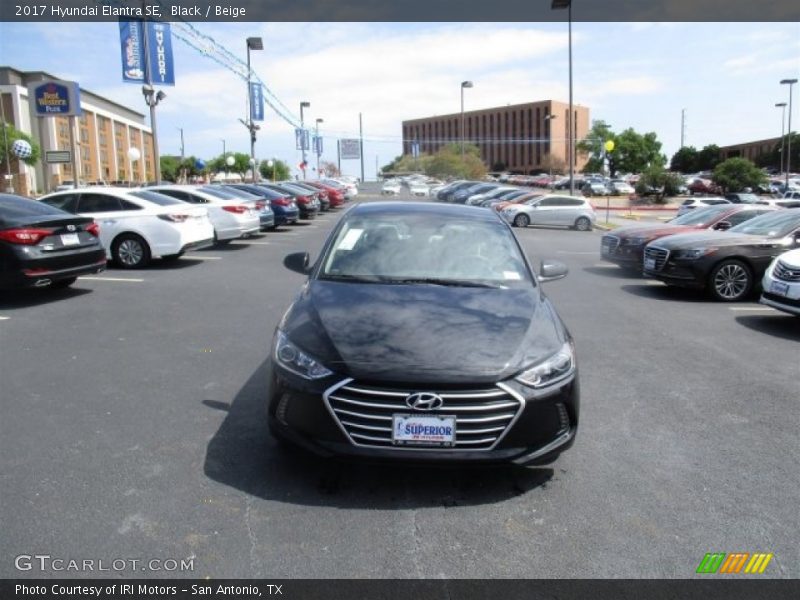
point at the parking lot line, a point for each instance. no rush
(754, 308)
(605, 266)
(4, 318)
(125, 279)
(195, 256)
(654, 282)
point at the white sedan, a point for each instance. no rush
(391, 188)
(419, 188)
(781, 283)
(137, 225)
(232, 219)
(692, 203)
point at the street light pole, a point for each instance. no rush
(558, 5)
(318, 149)
(790, 83)
(464, 84)
(303, 135)
(253, 43)
(782, 105)
(549, 128)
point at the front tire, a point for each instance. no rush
(130, 251)
(583, 224)
(522, 220)
(730, 281)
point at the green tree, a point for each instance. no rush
(708, 158)
(241, 163)
(279, 171)
(684, 160)
(13, 134)
(170, 167)
(633, 152)
(656, 181)
(736, 174)
(447, 162)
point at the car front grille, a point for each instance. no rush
(785, 272)
(609, 243)
(659, 255)
(365, 412)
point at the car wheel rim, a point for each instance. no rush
(522, 221)
(130, 252)
(731, 281)
(583, 224)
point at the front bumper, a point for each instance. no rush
(544, 426)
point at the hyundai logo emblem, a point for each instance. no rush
(70, 227)
(424, 401)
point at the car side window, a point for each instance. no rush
(129, 205)
(742, 216)
(65, 202)
(550, 202)
(94, 203)
(179, 195)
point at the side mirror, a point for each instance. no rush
(552, 270)
(297, 262)
(722, 225)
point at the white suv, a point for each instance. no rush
(781, 283)
(553, 209)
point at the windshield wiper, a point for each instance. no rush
(443, 281)
(353, 278)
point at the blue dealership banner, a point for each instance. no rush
(159, 47)
(256, 102)
(318, 144)
(301, 138)
(132, 49)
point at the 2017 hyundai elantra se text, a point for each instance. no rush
(422, 334)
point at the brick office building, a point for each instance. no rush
(526, 138)
(104, 133)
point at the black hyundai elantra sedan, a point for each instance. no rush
(43, 246)
(422, 334)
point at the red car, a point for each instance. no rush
(703, 186)
(625, 246)
(335, 196)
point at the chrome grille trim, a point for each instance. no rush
(784, 272)
(660, 255)
(611, 242)
(364, 415)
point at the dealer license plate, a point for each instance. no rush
(424, 430)
(781, 289)
(650, 264)
(70, 239)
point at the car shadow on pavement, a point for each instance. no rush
(783, 326)
(34, 297)
(244, 455)
(228, 247)
(614, 272)
(667, 292)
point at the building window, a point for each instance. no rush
(84, 136)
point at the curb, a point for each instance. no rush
(605, 226)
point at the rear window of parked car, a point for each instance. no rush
(156, 198)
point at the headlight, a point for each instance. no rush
(694, 253)
(290, 357)
(637, 241)
(559, 366)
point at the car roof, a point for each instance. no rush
(430, 208)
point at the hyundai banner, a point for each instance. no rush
(132, 48)
(256, 102)
(318, 145)
(301, 138)
(159, 50)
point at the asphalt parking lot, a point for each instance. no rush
(133, 427)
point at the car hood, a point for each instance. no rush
(791, 258)
(654, 230)
(713, 238)
(425, 334)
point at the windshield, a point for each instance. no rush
(156, 198)
(415, 248)
(699, 216)
(774, 225)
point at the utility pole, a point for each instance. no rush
(361, 144)
(152, 98)
(683, 126)
(339, 156)
(183, 155)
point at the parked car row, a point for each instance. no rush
(726, 250)
(61, 236)
(522, 207)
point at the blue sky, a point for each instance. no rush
(640, 75)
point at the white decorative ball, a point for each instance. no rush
(134, 154)
(230, 161)
(21, 149)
